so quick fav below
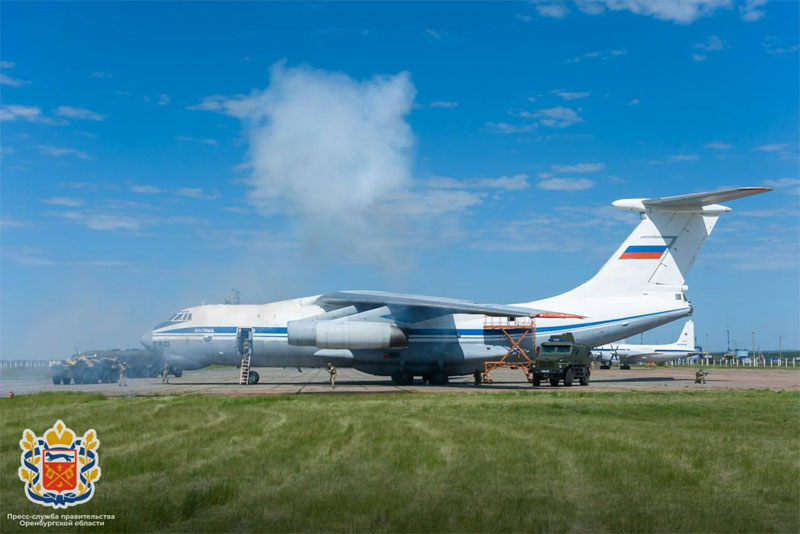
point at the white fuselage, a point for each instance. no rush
(458, 343)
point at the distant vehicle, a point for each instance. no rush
(641, 286)
(562, 359)
(103, 366)
(626, 354)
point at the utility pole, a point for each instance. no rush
(728, 331)
(780, 353)
(707, 349)
(754, 344)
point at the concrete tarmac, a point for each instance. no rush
(224, 381)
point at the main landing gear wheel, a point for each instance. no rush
(569, 376)
(252, 377)
(402, 378)
(438, 378)
(625, 367)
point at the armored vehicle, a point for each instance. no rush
(95, 366)
(562, 359)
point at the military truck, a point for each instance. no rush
(91, 367)
(561, 359)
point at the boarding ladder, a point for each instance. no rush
(245, 369)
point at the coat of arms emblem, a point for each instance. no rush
(59, 469)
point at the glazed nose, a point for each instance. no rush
(147, 339)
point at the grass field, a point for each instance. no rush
(725, 461)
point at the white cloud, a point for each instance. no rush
(61, 151)
(163, 100)
(525, 18)
(13, 112)
(64, 201)
(749, 12)
(554, 9)
(6, 64)
(214, 103)
(508, 128)
(677, 11)
(712, 44)
(9, 222)
(578, 167)
(557, 117)
(565, 184)
(443, 104)
(597, 54)
(433, 33)
(782, 182)
(195, 192)
(773, 147)
(509, 183)
(79, 113)
(782, 50)
(13, 82)
(718, 146)
(101, 221)
(145, 189)
(6, 150)
(634, 102)
(201, 140)
(100, 75)
(699, 57)
(684, 157)
(568, 95)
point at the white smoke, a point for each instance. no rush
(331, 150)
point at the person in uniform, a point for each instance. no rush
(477, 377)
(332, 373)
(700, 377)
(165, 374)
(123, 374)
(246, 348)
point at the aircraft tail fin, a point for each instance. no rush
(686, 339)
(659, 253)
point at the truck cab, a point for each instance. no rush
(561, 359)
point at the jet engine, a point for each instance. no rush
(345, 334)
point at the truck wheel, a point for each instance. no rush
(584, 380)
(569, 376)
(56, 380)
(536, 381)
(554, 382)
(65, 380)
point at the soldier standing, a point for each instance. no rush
(165, 374)
(123, 374)
(476, 376)
(332, 373)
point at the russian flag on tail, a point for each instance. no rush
(643, 252)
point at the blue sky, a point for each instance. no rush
(154, 156)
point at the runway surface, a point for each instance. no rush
(223, 381)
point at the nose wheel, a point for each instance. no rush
(252, 377)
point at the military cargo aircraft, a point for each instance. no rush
(627, 353)
(641, 286)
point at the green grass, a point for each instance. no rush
(724, 461)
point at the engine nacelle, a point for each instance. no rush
(345, 335)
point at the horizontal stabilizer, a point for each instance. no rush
(691, 201)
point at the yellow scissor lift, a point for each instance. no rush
(517, 330)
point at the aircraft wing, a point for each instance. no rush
(422, 306)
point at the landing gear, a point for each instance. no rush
(252, 377)
(625, 367)
(437, 378)
(402, 378)
(605, 366)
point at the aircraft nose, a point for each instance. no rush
(147, 339)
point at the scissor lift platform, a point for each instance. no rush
(516, 330)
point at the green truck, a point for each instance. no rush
(562, 359)
(103, 366)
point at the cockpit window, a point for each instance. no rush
(181, 316)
